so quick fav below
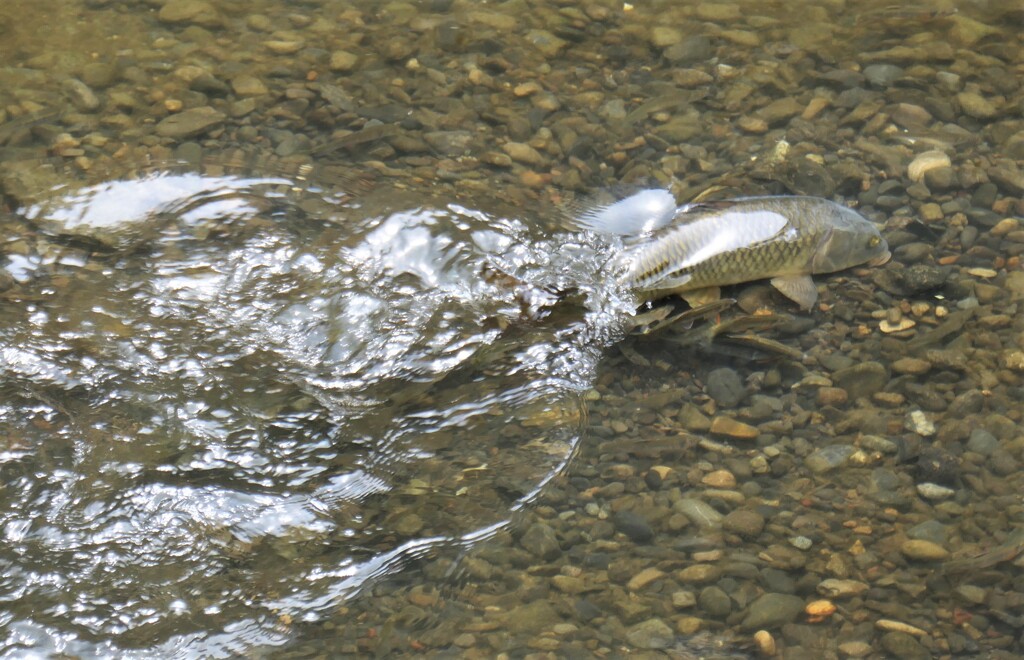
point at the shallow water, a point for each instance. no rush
(353, 391)
(340, 394)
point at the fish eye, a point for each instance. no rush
(874, 241)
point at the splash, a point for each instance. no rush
(241, 411)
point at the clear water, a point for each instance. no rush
(249, 386)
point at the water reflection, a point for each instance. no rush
(228, 415)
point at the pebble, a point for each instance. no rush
(81, 95)
(719, 479)
(699, 574)
(899, 626)
(832, 396)
(820, 609)
(541, 541)
(926, 161)
(248, 85)
(863, 379)
(714, 602)
(923, 550)
(663, 36)
(190, 123)
(855, 649)
(837, 588)
(700, 513)
(911, 365)
(829, 458)
(765, 643)
(634, 526)
(523, 153)
(918, 421)
(651, 634)
(199, 12)
(644, 578)
(904, 646)
(734, 429)
(748, 524)
(343, 61)
(771, 610)
(531, 617)
(931, 491)
(976, 105)
(682, 600)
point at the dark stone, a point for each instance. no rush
(968, 403)
(690, 50)
(916, 279)
(715, 602)
(586, 610)
(726, 387)
(938, 466)
(904, 646)
(862, 380)
(634, 526)
(940, 178)
(771, 610)
(982, 442)
(540, 541)
(746, 523)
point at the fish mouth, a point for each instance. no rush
(881, 259)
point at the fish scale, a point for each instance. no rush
(707, 245)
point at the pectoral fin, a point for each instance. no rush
(798, 288)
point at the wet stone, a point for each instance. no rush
(248, 85)
(651, 634)
(972, 593)
(634, 526)
(911, 365)
(692, 49)
(982, 442)
(734, 429)
(726, 387)
(644, 578)
(531, 617)
(523, 153)
(715, 602)
(839, 588)
(81, 95)
(923, 550)
(855, 649)
(934, 492)
(682, 600)
(904, 646)
(976, 105)
(744, 522)
(929, 530)
(700, 513)
(771, 610)
(882, 75)
(199, 12)
(699, 574)
(829, 458)
(780, 110)
(862, 380)
(190, 123)
(663, 36)
(911, 281)
(540, 541)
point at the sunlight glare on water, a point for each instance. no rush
(243, 413)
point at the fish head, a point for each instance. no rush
(851, 240)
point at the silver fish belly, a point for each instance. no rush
(785, 239)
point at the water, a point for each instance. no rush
(253, 411)
(335, 396)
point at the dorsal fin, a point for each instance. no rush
(633, 215)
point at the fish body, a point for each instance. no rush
(700, 247)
